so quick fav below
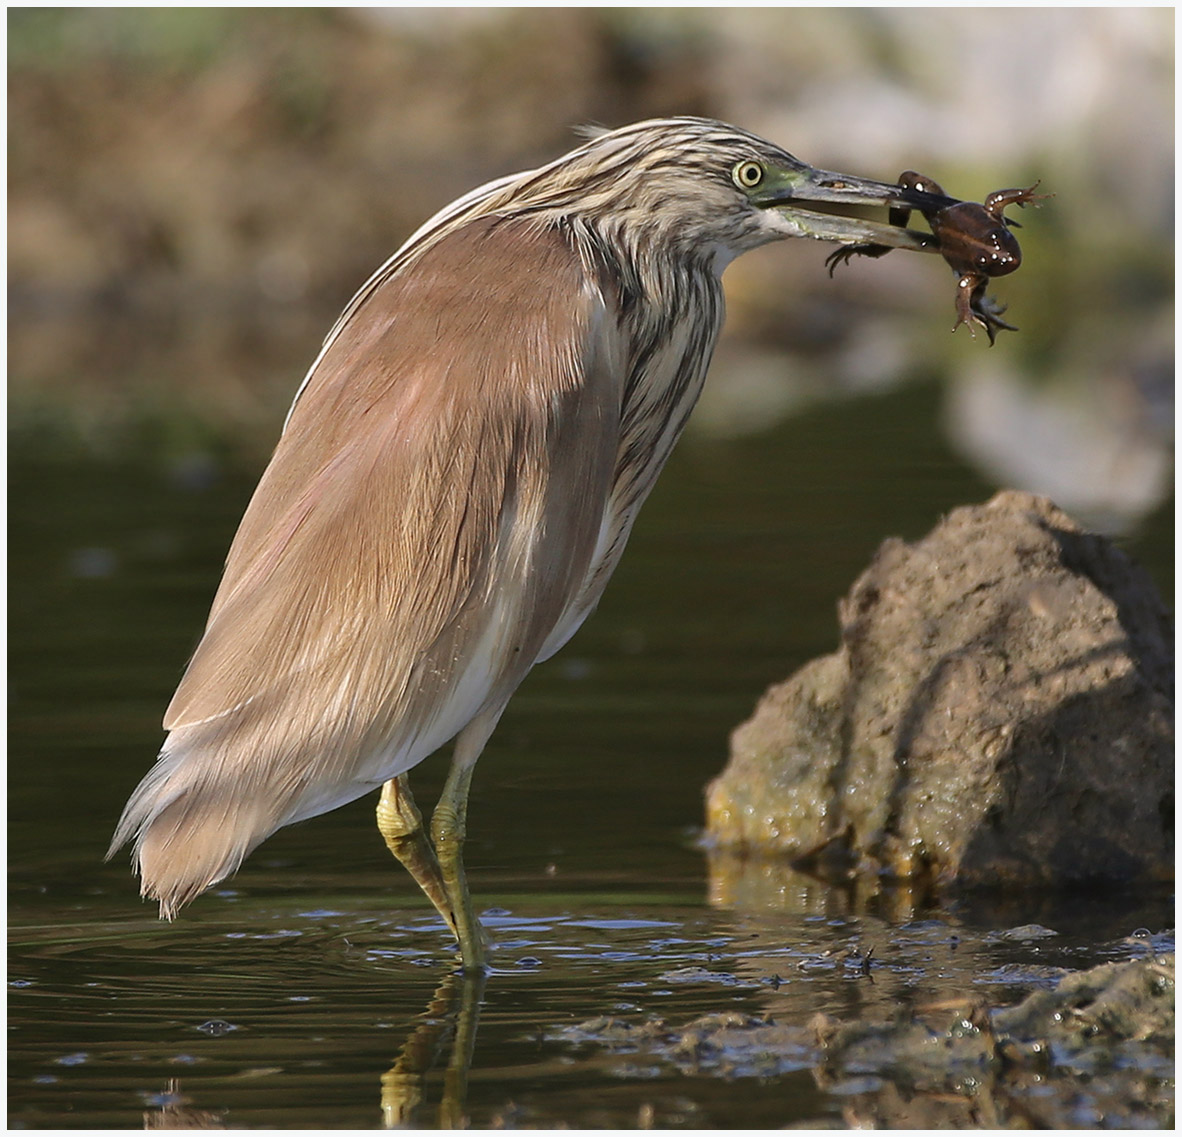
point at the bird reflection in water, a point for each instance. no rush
(447, 1028)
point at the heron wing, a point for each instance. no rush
(428, 516)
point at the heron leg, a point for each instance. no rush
(401, 826)
(448, 828)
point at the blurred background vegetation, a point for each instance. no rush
(195, 193)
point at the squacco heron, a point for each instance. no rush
(453, 487)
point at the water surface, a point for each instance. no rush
(286, 996)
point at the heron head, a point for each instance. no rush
(702, 187)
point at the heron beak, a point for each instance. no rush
(795, 193)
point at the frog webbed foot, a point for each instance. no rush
(974, 307)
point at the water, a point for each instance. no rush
(285, 998)
(262, 1013)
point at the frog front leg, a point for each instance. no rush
(899, 216)
(995, 204)
(844, 254)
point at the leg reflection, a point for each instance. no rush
(450, 1019)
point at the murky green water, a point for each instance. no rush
(283, 999)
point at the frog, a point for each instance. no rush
(974, 239)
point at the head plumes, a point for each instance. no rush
(661, 183)
(667, 179)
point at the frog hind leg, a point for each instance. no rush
(974, 307)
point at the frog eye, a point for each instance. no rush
(747, 175)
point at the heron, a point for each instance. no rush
(454, 485)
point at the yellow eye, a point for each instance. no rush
(747, 175)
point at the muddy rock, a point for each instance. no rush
(1000, 710)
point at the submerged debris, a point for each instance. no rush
(1096, 1050)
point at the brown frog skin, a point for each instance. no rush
(976, 242)
(974, 239)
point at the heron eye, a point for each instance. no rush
(747, 175)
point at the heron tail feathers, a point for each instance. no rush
(188, 832)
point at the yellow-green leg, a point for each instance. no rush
(437, 864)
(448, 829)
(401, 826)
